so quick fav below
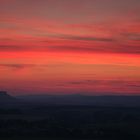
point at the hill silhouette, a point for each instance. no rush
(73, 99)
(77, 99)
(7, 101)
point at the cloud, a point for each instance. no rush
(132, 36)
(101, 49)
(126, 49)
(112, 83)
(85, 38)
(101, 86)
(84, 82)
(11, 48)
(17, 66)
(21, 66)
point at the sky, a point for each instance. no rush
(87, 47)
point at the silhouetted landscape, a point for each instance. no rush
(69, 117)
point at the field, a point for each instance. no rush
(70, 122)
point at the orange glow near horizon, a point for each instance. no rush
(54, 72)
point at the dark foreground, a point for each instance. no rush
(70, 123)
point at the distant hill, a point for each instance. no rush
(77, 99)
(74, 99)
(4, 97)
(7, 101)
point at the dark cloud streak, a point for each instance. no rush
(85, 38)
(126, 49)
(100, 49)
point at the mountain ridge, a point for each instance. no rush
(80, 99)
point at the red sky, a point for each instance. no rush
(70, 46)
